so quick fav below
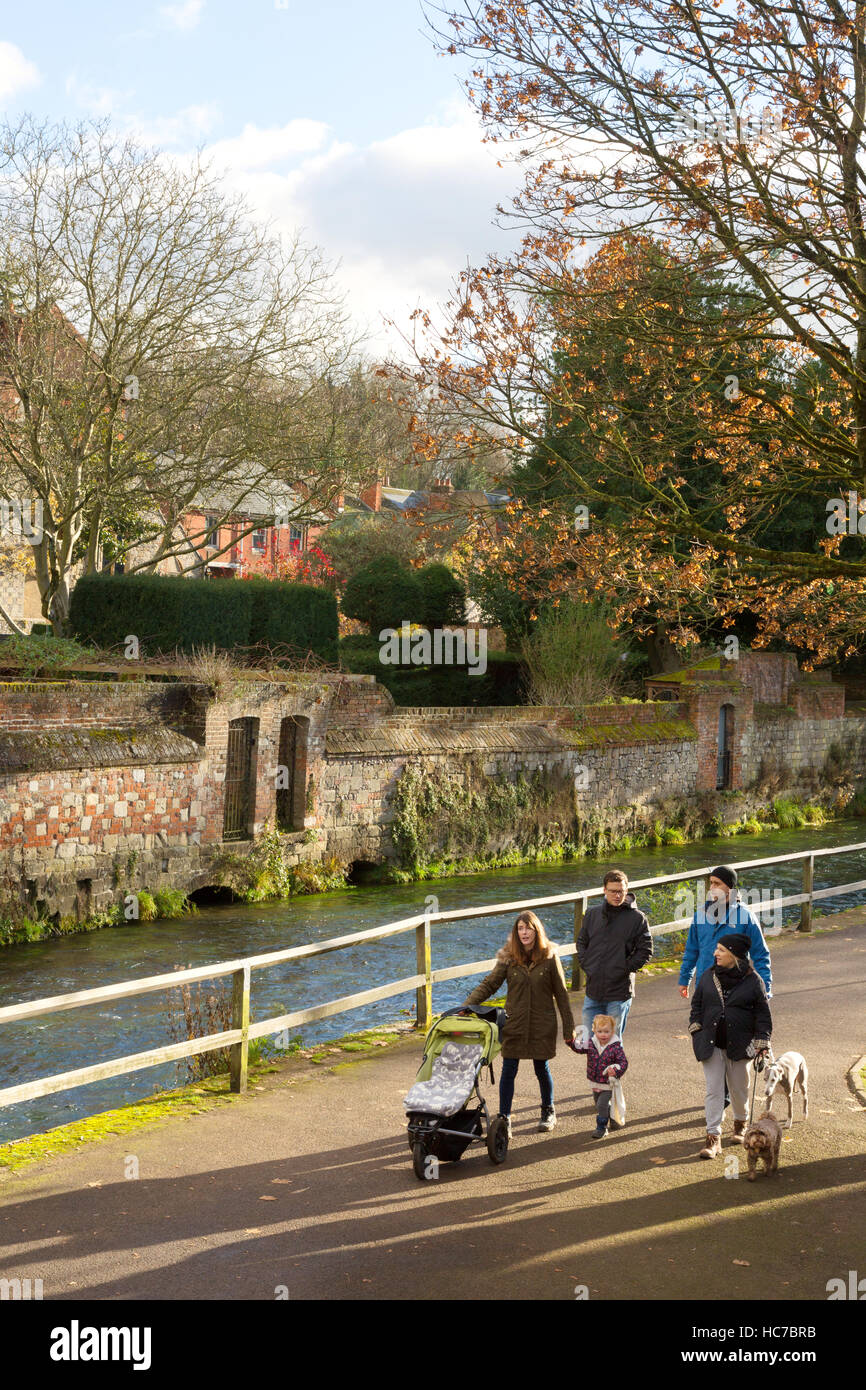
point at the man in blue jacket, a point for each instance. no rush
(721, 913)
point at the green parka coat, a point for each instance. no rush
(530, 1030)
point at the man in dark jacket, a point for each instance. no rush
(613, 943)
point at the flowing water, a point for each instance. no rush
(61, 1042)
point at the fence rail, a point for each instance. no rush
(242, 1032)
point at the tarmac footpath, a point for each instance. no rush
(304, 1189)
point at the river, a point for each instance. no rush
(61, 1042)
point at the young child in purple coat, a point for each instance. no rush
(605, 1060)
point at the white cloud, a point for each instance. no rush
(16, 71)
(97, 101)
(186, 127)
(185, 15)
(403, 215)
(255, 148)
(189, 125)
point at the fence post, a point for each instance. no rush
(239, 1052)
(423, 995)
(579, 908)
(808, 887)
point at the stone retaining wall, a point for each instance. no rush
(106, 787)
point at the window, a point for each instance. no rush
(212, 533)
(296, 538)
(260, 539)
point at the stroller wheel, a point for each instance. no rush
(419, 1160)
(497, 1140)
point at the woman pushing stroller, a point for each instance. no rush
(536, 988)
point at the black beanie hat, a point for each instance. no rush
(726, 874)
(737, 943)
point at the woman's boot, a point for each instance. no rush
(712, 1148)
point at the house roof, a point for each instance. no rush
(263, 497)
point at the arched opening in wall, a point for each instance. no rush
(213, 895)
(83, 895)
(724, 766)
(362, 871)
(240, 782)
(292, 773)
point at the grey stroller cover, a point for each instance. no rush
(451, 1081)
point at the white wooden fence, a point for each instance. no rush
(238, 1037)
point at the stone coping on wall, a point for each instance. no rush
(400, 736)
(59, 749)
(483, 714)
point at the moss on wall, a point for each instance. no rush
(437, 815)
(660, 731)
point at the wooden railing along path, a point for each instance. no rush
(239, 1036)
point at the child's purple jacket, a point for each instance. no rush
(597, 1061)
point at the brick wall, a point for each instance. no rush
(769, 674)
(92, 704)
(95, 777)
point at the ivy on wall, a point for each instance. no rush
(470, 815)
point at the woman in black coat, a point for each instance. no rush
(730, 1023)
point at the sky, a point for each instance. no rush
(337, 118)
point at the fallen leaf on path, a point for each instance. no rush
(281, 1180)
(268, 1197)
(252, 1230)
(658, 1160)
(682, 1037)
(742, 1262)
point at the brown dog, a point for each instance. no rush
(763, 1140)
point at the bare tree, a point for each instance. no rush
(157, 346)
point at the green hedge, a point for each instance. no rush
(167, 612)
(503, 683)
(298, 616)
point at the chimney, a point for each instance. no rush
(372, 496)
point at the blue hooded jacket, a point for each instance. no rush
(704, 933)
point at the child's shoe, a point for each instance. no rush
(600, 1128)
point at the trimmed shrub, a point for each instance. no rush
(444, 597)
(384, 594)
(503, 683)
(162, 611)
(167, 612)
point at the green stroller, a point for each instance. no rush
(442, 1120)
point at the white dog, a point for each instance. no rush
(788, 1072)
